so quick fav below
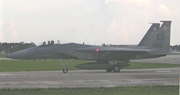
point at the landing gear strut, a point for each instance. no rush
(64, 64)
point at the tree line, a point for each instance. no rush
(175, 47)
(13, 47)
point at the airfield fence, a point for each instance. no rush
(122, 90)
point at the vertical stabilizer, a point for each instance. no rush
(159, 39)
(154, 28)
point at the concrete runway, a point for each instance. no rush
(170, 59)
(6, 59)
(97, 78)
(84, 78)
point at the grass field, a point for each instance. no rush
(137, 90)
(55, 65)
(2, 56)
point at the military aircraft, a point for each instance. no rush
(155, 43)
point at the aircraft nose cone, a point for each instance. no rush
(18, 55)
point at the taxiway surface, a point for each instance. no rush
(84, 78)
(97, 78)
(169, 59)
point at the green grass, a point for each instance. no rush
(137, 90)
(55, 65)
(2, 56)
(38, 65)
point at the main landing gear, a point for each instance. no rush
(116, 66)
(64, 64)
(115, 69)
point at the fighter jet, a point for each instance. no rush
(155, 43)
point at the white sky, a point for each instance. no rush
(89, 21)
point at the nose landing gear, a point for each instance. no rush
(65, 70)
(64, 64)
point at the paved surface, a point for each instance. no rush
(6, 59)
(84, 78)
(170, 59)
(98, 78)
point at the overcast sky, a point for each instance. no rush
(90, 21)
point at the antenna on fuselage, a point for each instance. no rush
(58, 42)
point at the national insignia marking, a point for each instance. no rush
(165, 27)
(89, 56)
(154, 29)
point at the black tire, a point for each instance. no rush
(65, 70)
(116, 68)
(108, 70)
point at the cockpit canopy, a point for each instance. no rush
(48, 43)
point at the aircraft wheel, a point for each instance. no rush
(116, 68)
(109, 70)
(65, 70)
